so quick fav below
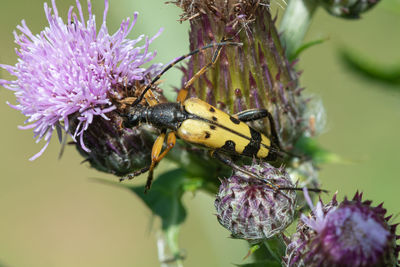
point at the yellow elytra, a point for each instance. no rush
(216, 130)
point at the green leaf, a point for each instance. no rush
(164, 197)
(193, 184)
(369, 68)
(276, 248)
(267, 253)
(305, 47)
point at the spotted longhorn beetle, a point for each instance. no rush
(200, 123)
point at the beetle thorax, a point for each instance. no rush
(166, 116)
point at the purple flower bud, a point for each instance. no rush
(351, 233)
(349, 9)
(74, 78)
(250, 209)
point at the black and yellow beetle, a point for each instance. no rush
(202, 124)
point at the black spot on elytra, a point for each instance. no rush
(212, 109)
(234, 120)
(254, 145)
(207, 135)
(229, 146)
(212, 127)
(214, 118)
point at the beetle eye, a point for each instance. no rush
(131, 120)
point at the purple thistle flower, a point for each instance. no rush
(351, 233)
(68, 74)
(250, 209)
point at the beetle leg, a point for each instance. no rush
(155, 152)
(182, 94)
(229, 162)
(134, 174)
(270, 184)
(252, 114)
(156, 157)
(151, 98)
(256, 114)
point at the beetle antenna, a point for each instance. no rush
(179, 59)
(270, 184)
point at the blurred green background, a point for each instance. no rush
(54, 214)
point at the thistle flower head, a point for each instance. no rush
(351, 233)
(254, 75)
(250, 209)
(68, 75)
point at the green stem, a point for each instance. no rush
(295, 23)
(172, 240)
(168, 241)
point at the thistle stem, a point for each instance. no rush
(168, 241)
(295, 23)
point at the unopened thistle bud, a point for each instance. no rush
(73, 78)
(349, 9)
(348, 234)
(255, 75)
(250, 209)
